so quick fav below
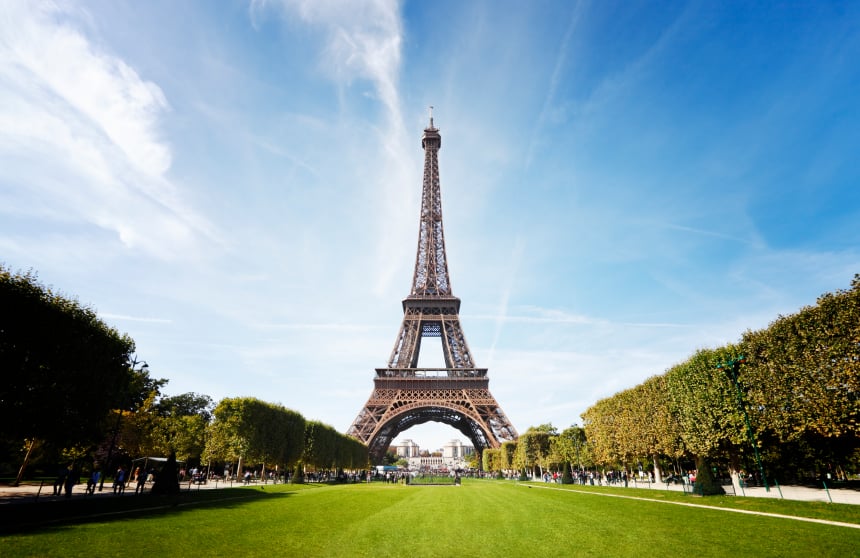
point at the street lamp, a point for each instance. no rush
(731, 367)
(134, 363)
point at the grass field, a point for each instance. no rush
(479, 518)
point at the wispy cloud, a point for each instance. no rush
(124, 318)
(714, 234)
(560, 63)
(318, 327)
(363, 43)
(501, 316)
(44, 53)
(78, 124)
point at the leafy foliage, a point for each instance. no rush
(533, 448)
(326, 448)
(255, 431)
(798, 386)
(63, 368)
(507, 455)
(491, 460)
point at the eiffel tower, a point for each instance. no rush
(405, 395)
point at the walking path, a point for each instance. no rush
(790, 492)
(36, 492)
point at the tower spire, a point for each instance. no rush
(431, 265)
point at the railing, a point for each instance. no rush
(431, 372)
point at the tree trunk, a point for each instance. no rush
(25, 463)
(734, 472)
(706, 484)
(658, 474)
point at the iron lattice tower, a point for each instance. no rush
(405, 395)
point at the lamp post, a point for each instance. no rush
(732, 367)
(134, 363)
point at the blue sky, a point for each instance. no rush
(236, 184)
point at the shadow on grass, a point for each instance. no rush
(34, 517)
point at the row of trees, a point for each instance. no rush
(789, 390)
(63, 369)
(788, 393)
(540, 449)
(244, 432)
(250, 431)
(73, 391)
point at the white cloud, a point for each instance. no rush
(80, 138)
(47, 56)
(363, 42)
(144, 319)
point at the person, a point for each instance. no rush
(141, 482)
(93, 481)
(119, 481)
(73, 477)
(60, 481)
(247, 477)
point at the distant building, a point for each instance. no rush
(406, 449)
(454, 455)
(455, 450)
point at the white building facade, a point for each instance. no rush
(455, 455)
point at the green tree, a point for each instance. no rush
(63, 368)
(326, 448)
(491, 460)
(390, 458)
(601, 424)
(247, 429)
(572, 445)
(533, 448)
(507, 455)
(801, 378)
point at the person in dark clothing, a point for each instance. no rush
(72, 478)
(61, 479)
(119, 481)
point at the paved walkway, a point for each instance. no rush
(36, 492)
(31, 492)
(790, 492)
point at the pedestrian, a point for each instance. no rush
(141, 482)
(73, 477)
(93, 481)
(60, 481)
(119, 481)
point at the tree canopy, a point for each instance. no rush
(791, 391)
(255, 431)
(63, 368)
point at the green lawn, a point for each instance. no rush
(479, 518)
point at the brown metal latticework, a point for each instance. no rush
(405, 395)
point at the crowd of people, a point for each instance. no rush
(69, 476)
